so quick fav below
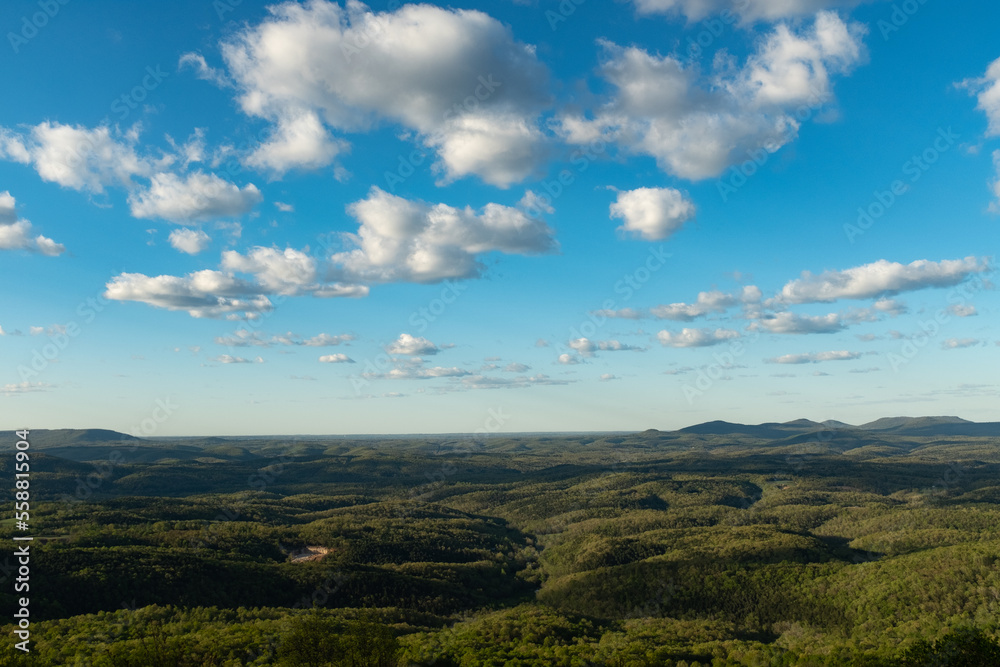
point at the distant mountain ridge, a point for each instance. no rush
(45, 437)
(912, 426)
(917, 426)
(768, 431)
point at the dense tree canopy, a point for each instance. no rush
(630, 550)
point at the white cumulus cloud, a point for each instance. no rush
(587, 348)
(412, 345)
(77, 157)
(696, 337)
(190, 241)
(199, 196)
(338, 358)
(299, 141)
(652, 213)
(201, 294)
(696, 125)
(458, 78)
(879, 279)
(401, 240)
(230, 359)
(17, 234)
(707, 302)
(286, 271)
(792, 323)
(987, 92)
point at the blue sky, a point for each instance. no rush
(240, 218)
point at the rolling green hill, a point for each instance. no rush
(721, 544)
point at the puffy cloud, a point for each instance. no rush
(987, 92)
(794, 69)
(515, 367)
(568, 359)
(326, 340)
(397, 241)
(751, 294)
(891, 307)
(412, 346)
(501, 147)
(92, 159)
(77, 157)
(791, 323)
(336, 359)
(747, 10)
(229, 359)
(607, 377)
(652, 213)
(880, 278)
(586, 347)
(299, 141)
(696, 126)
(960, 343)
(815, 358)
(286, 271)
(17, 234)
(456, 77)
(696, 337)
(283, 207)
(12, 147)
(201, 294)
(402, 240)
(190, 241)
(199, 196)
(211, 293)
(708, 302)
